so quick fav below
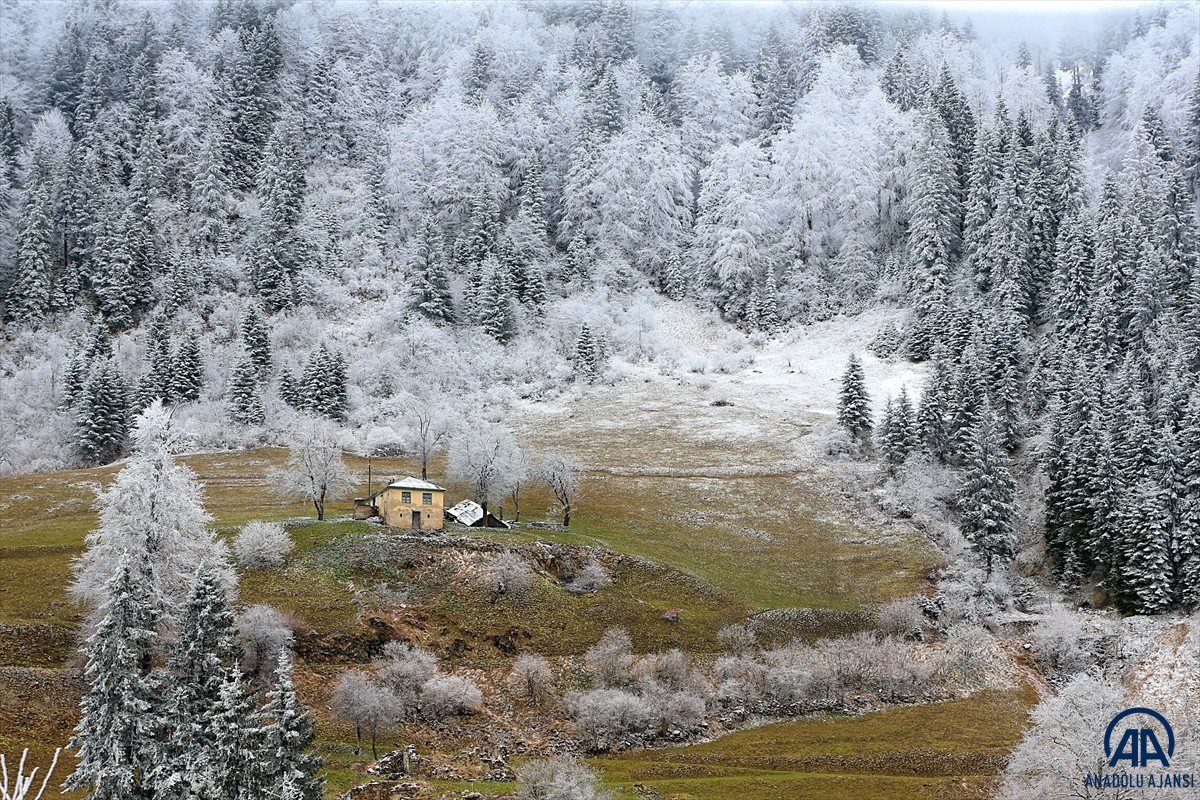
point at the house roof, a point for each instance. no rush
(468, 512)
(408, 482)
(414, 483)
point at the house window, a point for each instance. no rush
(406, 497)
(426, 498)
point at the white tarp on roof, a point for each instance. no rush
(468, 512)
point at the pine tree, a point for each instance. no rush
(854, 404)
(933, 209)
(431, 294)
(286, 739)
(478, 75)
(116, 738)
(206, 653)
(987, 495)
(500, 320)
(102, 415)
(587, 355)
(290, 389)
(674, 282)
(257, 341)
(110, 267)
(322, 387)
(244, 403)
(28, 297)
(237, 747)
(156, 366)
(898, 434)
(933, 415)
(768, 304)
(187, 371)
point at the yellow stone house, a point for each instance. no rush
(410, 503)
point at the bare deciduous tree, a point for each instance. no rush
(561, 475)
(315, 470)
(483, 456)
(367, 704)
(264, 631)
(431, 424)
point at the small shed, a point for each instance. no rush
(470, 514)
(410, 503)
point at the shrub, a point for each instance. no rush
(901, 617)
(559, 778)
(405, 668)
(681, 711)
(1061, 643)
(610, 658)
(737, 638)
(508, 574)
(969, 650)
(590, 578)
(449, 695)
(604, 716)
(532, 677)
(261, 544)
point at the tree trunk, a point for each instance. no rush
(566, 516)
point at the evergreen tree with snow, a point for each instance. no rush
(236, 748)
(102, 415)
(256, 341)
(28, 298)
(767, 308)
(322, 388)
(933, 211)
(155, 383)
(933, 413)
(187, 371)
(854, 404)
(290, 390)
(988, 493)
(286, 738)
(898, 436)
(206, 653)
(674, 282)
(244, 402)
(431, 294)
(587, 355)
(500, 318)
(116, 740)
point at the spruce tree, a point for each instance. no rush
(768, 304)
(290, 389)
(237, 749)
(933, 415)
(28, 298)
(988, 494)
(187, 371)
(854, 404)
(244, 403)
(116, 740)
(431, 294)
(286, 738)
(898, 434)
(933, 211)
(500, 319)
(206, 653)
(102, 415)
(257, 341)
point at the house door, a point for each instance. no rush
(416, 520)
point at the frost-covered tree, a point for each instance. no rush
(243, 400)
(28, 298)
(286, 738)
(588, 358)
(732, 225)
(854, 404)
(430, 282)
(117, 738)
(987, 496)
(315, 470)
(153, 511)
(561, 475)
(480, 456)
(187, 371)
(365, 703)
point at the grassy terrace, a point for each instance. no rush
(720, 542)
